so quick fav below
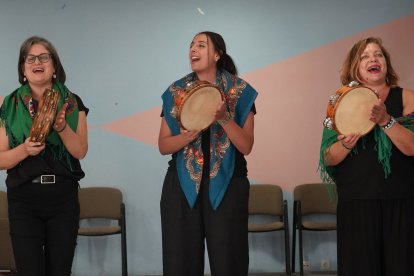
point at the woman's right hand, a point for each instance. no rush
(169, 143)
(33, 148)
(338, 151)
(349, 141)
(189, 135)
(10, 157)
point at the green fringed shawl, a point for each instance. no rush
(383, 147)
(16, 119)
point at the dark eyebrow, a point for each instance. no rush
(198, 41)
(37, 55)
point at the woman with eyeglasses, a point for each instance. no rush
(42, 178)
(205, 194)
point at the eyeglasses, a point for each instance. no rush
(43, 58)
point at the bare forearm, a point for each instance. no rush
(10, 158)
(241, 138)
(402, 138)
(172, 144)
(75, 144)
(335, 154)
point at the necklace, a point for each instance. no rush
(32, 110)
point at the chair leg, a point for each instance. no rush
(286, 224)
(294, 227)
(300, 240)
(124, 243)
(124, 254)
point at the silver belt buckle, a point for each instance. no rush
(47, 179)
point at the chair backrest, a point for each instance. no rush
(3, 205)
(6, 251)
(314, 199)
(265, 199)
(100, 202)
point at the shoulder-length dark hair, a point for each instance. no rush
(225, 62)
(350, 66)
(24, 50)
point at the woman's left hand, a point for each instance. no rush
(379, 114)
(60, 122)
(220, 112)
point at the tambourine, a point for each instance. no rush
(45, 116)
(196, 105)
(349, 109)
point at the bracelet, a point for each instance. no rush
(345, 146)
(225, 120)
(59, 131)
(390, 124)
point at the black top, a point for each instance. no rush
(46, 163)
(240, 166)
(361, 176)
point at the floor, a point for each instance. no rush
(295, 274)
(250, 274)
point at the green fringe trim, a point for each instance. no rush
(383, 147)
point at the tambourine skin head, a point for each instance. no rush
(45, 116)
(197, 108)
(351, 111)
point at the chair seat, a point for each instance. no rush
(311, 201)
(104, 203)
(265, 227)
(266, 202)
(319, 226)
(99, 231)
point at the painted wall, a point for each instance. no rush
(120, 56)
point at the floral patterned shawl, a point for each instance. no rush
(240, 97)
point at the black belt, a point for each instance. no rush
(49, 179)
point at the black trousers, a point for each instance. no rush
(44, 221)
(185, 231)
(375, 237)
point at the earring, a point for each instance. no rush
(24, 79)
(54, 76)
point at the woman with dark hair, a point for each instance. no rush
(42, 178)
(374, 174)
(206, 189)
